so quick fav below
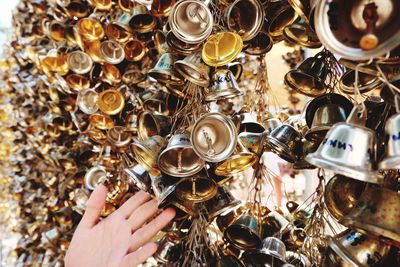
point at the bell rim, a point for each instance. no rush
(204, 82)
(214, 62)
(290, 82)
(225, 94)
(281, 148)
(201, 198)
(279, 33)
(265, 256)
(303, 165)
(134, 146)
(257, 240)
(312, 44)
(391, 162)
(298, 7)
(342, 252)
(244, 167)
(317, 130)
(230, 206)
(258, 52)
(375, 84)
(371, 176)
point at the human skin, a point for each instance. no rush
(123, 238)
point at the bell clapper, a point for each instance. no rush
(370, 15)
(211, 150)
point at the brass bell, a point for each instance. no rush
(307, 148)
(161, 8)
(392, 159)
(214, 137)
(223, 86)
(376, 212)
(272, 253)
(245, 17)
(296, 259)
(309, 77)
(220, 203)
(90, 29)
(366, 82)
(139, 176)
(131, 122)
(301, 34)
(240, 160)
(119, 136)
(193, 69)
(157, 103)
(285, 141)
(95, 176)
(259, 45)
(349, 149)
(198, 188)
(169, 249)
(191, 21)
(163, 187)
(351, 248)
(279, 15)
(142, 21)
(178, 159)
(147, 151)
(244, 233)
(164, 71)
(150, 124)
(180, 46)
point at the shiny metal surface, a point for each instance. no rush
(164, 71)
(119, 136)
(272, 253)
(198, 188)
(244, 232)
(141, 19)
(302, 35)
(95, 176)
(221, 202)
(366, 82)
(163, 187)
(392, 158)
(193, 69)
(150, 124)
(223, 86)
(285, 141)
(140, 177)
(169, 249)
(79, 62)
(87, 101)
(112, 52)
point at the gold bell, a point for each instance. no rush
(102, 5)
(134, 50)
(90, 29)
(221, 48)
(141, 19)
(279, 14)
(164, 71)
(162, 8)
(223, 86)
(196, 189)
(179, 158)
(146, 152)
(111, 102)
(150, 124)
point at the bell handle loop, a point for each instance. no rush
(358, 115)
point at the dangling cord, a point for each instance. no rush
(357, 93)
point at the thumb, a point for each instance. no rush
(94, 206)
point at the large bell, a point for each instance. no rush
(377, 212)
(149, 124)
(392, 159)
(349, 149)
(223, 86)
(193, 69)
(239, 161)
(146, 152)
(214, 137)
(244, 233)
(179, 159)
(164, 71)
(139, 176)
(272, 253)
(341, 194)
(309, 77)
(196, 189)
(285, 141)
(351, 248)
(245, 17)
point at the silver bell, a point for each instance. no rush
(392, 159)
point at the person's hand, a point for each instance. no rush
(122, 239)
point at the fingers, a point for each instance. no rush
(133, 203)
(148, 231)
(142, 214)
(139, 256)
(94, 206)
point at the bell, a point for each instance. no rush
(194, 70)
(90, 29)
(303, 9)
(131, 122)
(179, 158)
(164, 71)
(272, 253)
(341, 194)
(163, 187)
(111, 102)
(102, 5)
(133, 75)
(87, 101)
(191, 21)
(77, 9)
(357, 30)
(119, 136)
(324, 118)
(392, 158)
(297, 259)
(366, 82)
(180, 46)
(285, 141)
(169, 249)
(244, 233)
(150, 124)
(271, 124)
(134, 50)
(141, 19)
(77, 82)
(240, 160)
(309, 77)
(274, 223)
(101, 121)
(280, 14)
(157, 103)
(377, 212)
(220, 203)
(349, 149)
(301, 34)
(308, 147)
(223, 86)
(112, 52)
(115, 32)
(351, 248)
(196, 189)
(146, 152)
(237, 69)
(259, 45)
(214, 137)
(245, 17)
(249, 124)
(79, 62)
(251, 141)
(127, 5)
(224, 220)
(139, 176)
(221, 48)
(162, 8)
(95, 176)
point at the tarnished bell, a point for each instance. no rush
(221, 202)
(377, 213)
(163, 187)
(164, 71)
(244, 233)
(245, 17)
(239, 161)
(147, 151)
(139, 176)
(309, 77)
(272, 253)
(349, 149)
(285, 141)
(95, 176)
(198, 188)
(223, 86)
(351, 248)
(179, 158)
(150, 124)
(357, 29)
(392, 159)
(193, 69)
(341, 194)
(214, 137)
(169, 249)
(191, 21)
